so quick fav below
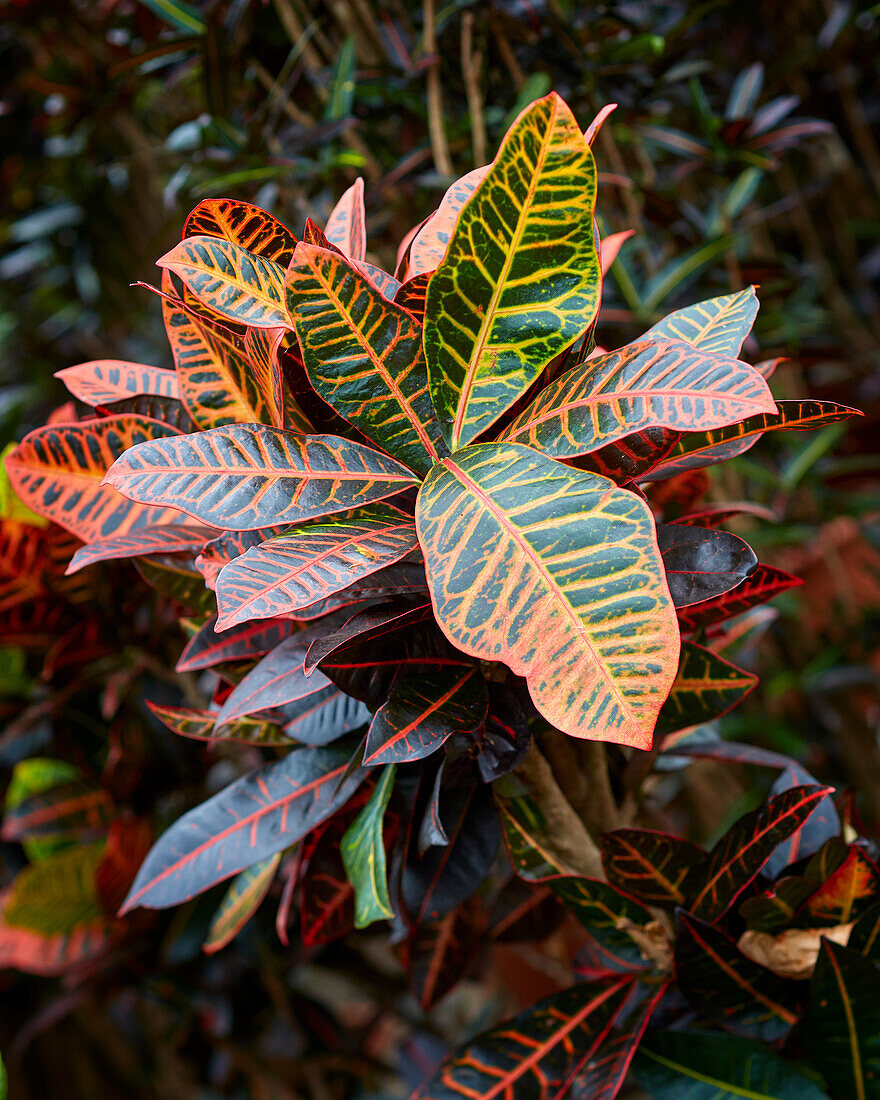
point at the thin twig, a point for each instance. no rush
(470, 71)
(436, 129)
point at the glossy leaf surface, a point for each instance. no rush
(717, 326)
(363, 855)
(523, 246)
(762, 584)
(644, 385)
(170, 538)
(243, 898)
(701, 565)
(105, 380)
(346, 227)
(557, 574)
(654, 867)
(253, 818)
(253, 639)
(243, 225)
(244, 476)
(706, 687)
(363, 356)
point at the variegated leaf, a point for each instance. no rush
(59, 472)
(243, 898)
(430, 243)
(556, 573)
(706, 687)
(233, 282)
(363, 855)
(309, 563)
(520, 280)
(645, 385)
(245, 476)
(347, 226)
(244, 225)
(172, 538)
(262, 347)
(363, 356)
(201, 725)
(106, 380)
(412, 296)
(717, 326)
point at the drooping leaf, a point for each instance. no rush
(706, 687)
(106, 380)
(762, 584)
(346, 227)
(426, 707)
(243, 225)
(363, 356)
(722, 983)
(438, 953)
(842, 1030)
(502, 743)
(176, 576)
(254, 817)
(644, 385)
(58, 471)
(520, 550)
(656, 868)
(701, 565)
(523, 243)
(847, 892)
(717, 326)
(244, 476)
(744, 849)
(363, 855)
(170, 538)
(201, 725)
(237, 284)
(371, 625)
(605, 912)
(309, 563)
(242, 899)
(248, 640)
(689, 1065)
(536, 1054)
(430, 243)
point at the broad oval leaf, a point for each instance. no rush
(363, 855)
(251, 819)
(705, 687)
(556, 573)
(246, 476)
(431, 241)
(535, 1055)
(244, 225)
(702, 564)
(309, 563)
(59, 472)
(645, 385)
(103, 381)
(243, 898)
(169, 538)
(347, 225)
(717, 326)
(363, 356)
(520, 281)
(426, 707)
(235, 283)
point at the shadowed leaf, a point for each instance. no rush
(243, 898)
(705, 687)
(363, 855)
(654, 867)
(700, 564)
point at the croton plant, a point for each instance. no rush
(433, 547)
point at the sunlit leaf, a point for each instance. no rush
(243, 225)
(106, 380)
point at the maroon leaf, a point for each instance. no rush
(371, 625)
(252, 639)
(701, 565)
(654, 867)
(439, 953)
(167, 539)
(761, 585)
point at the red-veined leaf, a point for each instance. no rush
(208, 648)
(631, 458)
(848, 891)
(645, 385)
(244, 225)
(706, 687)
(347, 226)
(540, 188)
(431, 241)
(653, 867)
(702, 564)
(222, 549)
(128, 841)
(865, 936)
(605, 912)
(242, 900)
(311, 562)
(370, 625)
(538, 850)
(106, 380)
(537, 1054)
(254, 817)
(244, 476)
(761, 585)
(438, 953)
(412, 296)
(59, 470)
(274, 681)
(524, 912)
(717, 326)
(70, 810)
(170, 538)
(584, 614)
(425, 708)
(363, 356)
(235, 283)
(201, 725)
(744, 849)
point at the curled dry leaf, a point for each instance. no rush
(793, 953)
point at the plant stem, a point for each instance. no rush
(436, 131)
(602, 812)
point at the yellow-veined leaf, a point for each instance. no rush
(557, 573)
(363, 855)
(717, 326)
(520, 280)
(244, 225)
(241, 901)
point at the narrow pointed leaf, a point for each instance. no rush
(209, 647)
(263, 350)
(58, 471)
(717, 326)
(430, 243)
(371, 625)
(243, 898)
(654, 867)
(347, 225)
(645, 385)
(363, 356)
(324, 717)
(842, 1031)
(222, 549)
(106, 380)
(439, 953)
(499, 267)
(535, 1055)
(254, 817)
(424, 710)
(201, 725)
(311, 562)
(244, 476)
(363, 855)
(701, 564)
(235, 283)
(557, 574)
(689, 1065)
(706, 687)
(761, 585)
(744, 849)
(171, 538)
(243, 225)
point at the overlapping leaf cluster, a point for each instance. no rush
(413, 522)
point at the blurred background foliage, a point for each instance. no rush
(744, 149)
